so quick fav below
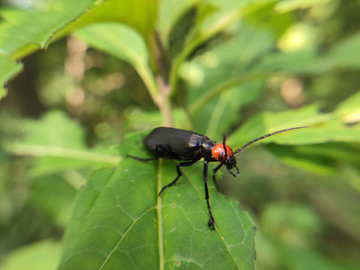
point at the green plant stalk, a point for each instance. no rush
(157, 92)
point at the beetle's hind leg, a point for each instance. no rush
(159, 148)
(141, 159)
(182, 164)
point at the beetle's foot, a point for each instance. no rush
(211, 224)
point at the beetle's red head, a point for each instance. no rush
(225, 155)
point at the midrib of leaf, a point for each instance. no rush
(160, 225)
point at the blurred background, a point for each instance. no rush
(72, 96)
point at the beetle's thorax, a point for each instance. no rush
(220, 154)
(207, 145)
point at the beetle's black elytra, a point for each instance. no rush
(172, 143)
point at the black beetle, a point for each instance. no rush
(172, 143)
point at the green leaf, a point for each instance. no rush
(119, 222)
(268, 122)
(8, 70)
(43, 255)
(24, 31)
(345, 54)
(215, 18)
(123, 42)
(58, 142)
(169, 13)
(58, 194)
(349, 109)
(323, 128)
(116, 39)
(300, 62)
(311, 162)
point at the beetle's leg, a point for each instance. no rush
(211, 219)
(214, 178)
(183, 164)
(141, 159)
(159, 148)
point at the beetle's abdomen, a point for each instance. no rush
(179, 144)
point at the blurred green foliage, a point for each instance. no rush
(243, 68)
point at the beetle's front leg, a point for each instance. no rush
(214, 178)
(211, 219)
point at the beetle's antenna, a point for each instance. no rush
(265, 136)
(224, 139)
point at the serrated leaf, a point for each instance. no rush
(24, 31)
(119, 222)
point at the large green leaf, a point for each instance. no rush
(119, 222)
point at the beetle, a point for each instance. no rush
(190, 147)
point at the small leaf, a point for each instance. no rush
(8, 70)
(119, 222)
(119, 40)
(124, 43)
